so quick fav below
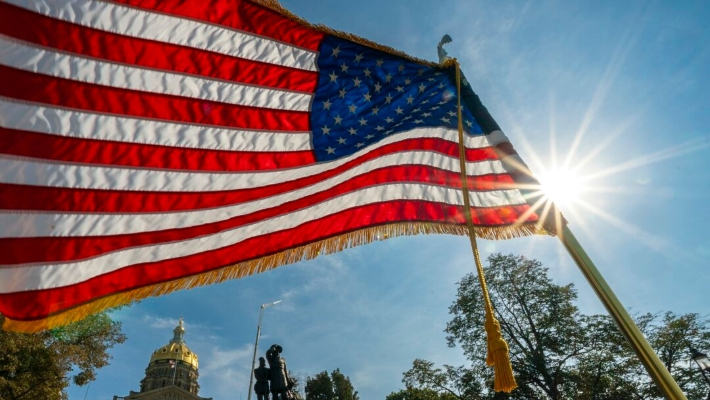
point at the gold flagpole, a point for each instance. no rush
(658, 372)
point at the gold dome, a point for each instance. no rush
(176, 349)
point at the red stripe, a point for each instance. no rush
(19, 197)
(36, 304)
(45, 89)
(243, 15)
(39, 145)
(41, 249)
(91, 42)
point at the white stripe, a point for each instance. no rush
(83, 125)
(38, 173)
(33, 277)
(63, 65)
(111, 17)
(42, 224)
(497, 137)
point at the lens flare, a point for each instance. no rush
(561, 187)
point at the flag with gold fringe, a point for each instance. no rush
(151, 146)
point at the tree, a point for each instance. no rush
(420, 394)
(335, 386)
(40, 365)
(556, 352)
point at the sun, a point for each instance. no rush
(561, 186)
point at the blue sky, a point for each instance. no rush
(618, 91)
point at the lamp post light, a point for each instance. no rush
(703, 363)
(256, 345)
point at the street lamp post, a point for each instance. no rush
(256, 345)
(703, 363)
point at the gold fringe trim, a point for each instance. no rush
(290, 256)
(276, 6)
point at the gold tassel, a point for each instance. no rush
(497, 356)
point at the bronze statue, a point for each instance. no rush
(261, 387)
(278, 374)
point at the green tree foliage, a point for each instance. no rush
(556, 351)
(335, 386)
(40, 365)
(420, 394)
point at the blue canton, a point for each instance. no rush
(365, 95)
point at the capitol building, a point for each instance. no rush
(171, 374)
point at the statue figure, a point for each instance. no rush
(278, 374)
(261, 387)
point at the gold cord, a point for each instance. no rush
(497, 356)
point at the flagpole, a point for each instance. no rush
(658, 372)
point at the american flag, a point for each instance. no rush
(151, 145)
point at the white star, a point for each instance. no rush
(359, 145)
(363, 121)
(352, 108)
(417, 109)
(431, 79)
(342, 140)
(344, 67)
(367, 72)
(358, 58)
(326, 130)
(379, 128)
(377, 87)
(338, 120)
(407, 117)
(336, 51)
(469, 123)
(433, 94)
(399, 110)
(401, 67)
(380, 62)
(426, 114)
(342, 92)
(357, 82)
(422, 87)
(425, 101)
(389, 132)
(389, 120)
(367, 96)
(410, 99)
(388, 78)
(442, 85)
(435, 108)
(418, 121)
(447, 120)
(369, 137)
(352, 131)
(452, 113)
(330, 150)
(388, 99)
(442, 102)
(326, 105)
(375, 110)
(407, 81)
(437, 73)
(400, 89)
(333, 76)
